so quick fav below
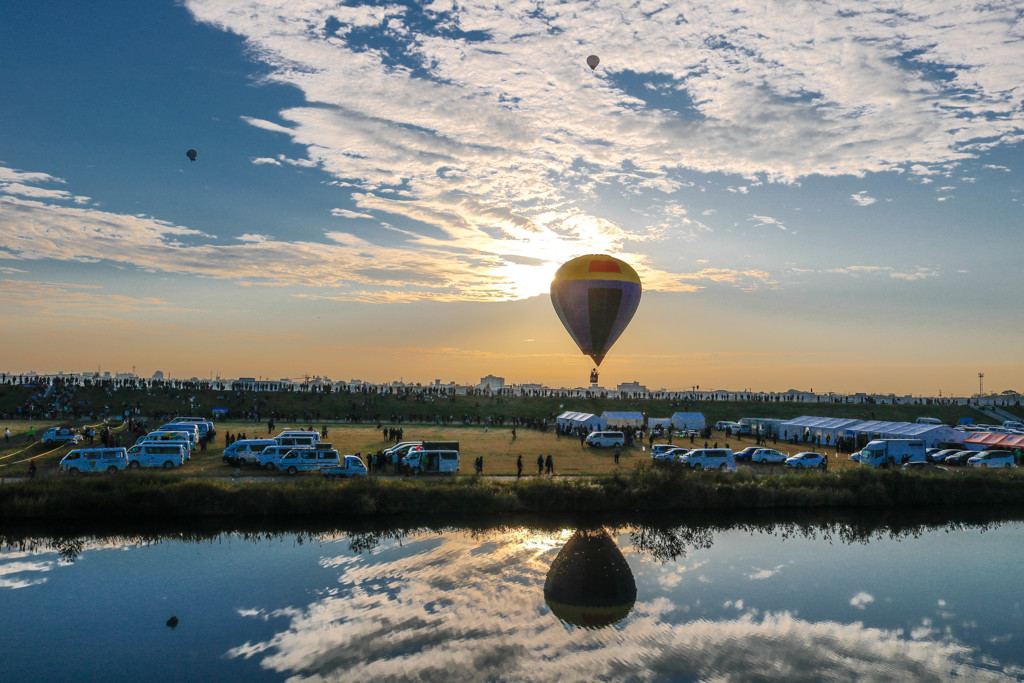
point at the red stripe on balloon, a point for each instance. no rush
(604, 267)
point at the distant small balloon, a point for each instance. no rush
(593, 61)
(191, 154)
(172, 622)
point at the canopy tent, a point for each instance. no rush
(572, 419)
(620, 420)
(818, 429)
(979, 441)
(931, 434)
(688, 421)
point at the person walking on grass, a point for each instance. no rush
(616, 454)
(540, 464)
(519, 467)
(549, 465)
(32, 468)
(31, 435)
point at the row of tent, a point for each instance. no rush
(623, 419)
(828, 429)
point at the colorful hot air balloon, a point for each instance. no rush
(595, 297)
(191, 154)
(589, 584)
(593, 61)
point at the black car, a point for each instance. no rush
(959, 459)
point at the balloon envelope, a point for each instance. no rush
(191, 154)
(593, 61)
(589, 584)
(595, 297)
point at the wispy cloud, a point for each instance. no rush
(862, 198)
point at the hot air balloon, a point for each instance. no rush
(191, 154)
(593, 61)
(595, 297)
(589, 584)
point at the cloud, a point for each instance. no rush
(345, 213)
(266, 161)
(767, 221)
(862, 198)
(861, 600)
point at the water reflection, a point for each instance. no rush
(841, 599)
(590, 584)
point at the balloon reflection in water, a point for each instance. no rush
(589, 584)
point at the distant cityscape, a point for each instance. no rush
(493, 385)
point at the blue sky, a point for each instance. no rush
(814, 197)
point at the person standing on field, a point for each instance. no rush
(540, 465)
(519, 467)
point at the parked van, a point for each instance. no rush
(928, 421)
(297, 438)
(245, 451)
(892, 452)
(157, 454)
(431, 462)
(605, 439)
(190, 432)
(271, 456)
(198, 421)
(94, 460)
(308, 460)
(182, 438)
(709, 459)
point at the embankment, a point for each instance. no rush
(163, 496)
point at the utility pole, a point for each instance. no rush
(981, 384)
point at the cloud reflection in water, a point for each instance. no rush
(447, 611)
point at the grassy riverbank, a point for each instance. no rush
(643, 490)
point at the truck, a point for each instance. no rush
(61, 435)
(892, 452)
(425, 461)
(352, 467)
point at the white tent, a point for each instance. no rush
(619, 420)
(572, 419)
(818, 429)
(688, 421)
(932, 435)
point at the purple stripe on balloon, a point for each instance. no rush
(571, 299)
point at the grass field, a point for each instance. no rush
(495, 444)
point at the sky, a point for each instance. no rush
(816, 195)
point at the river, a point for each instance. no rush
(837, 600)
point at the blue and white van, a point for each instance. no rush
(270, 457)
(308, 460)
(166, 454)
(182, 438)
(94, 460)
(245, 451)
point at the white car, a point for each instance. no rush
(666, 452)
(768, 455)
(992, 459)
(709, 459)
(807, 459)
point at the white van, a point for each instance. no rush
(157, 454)
(928, 421)
(605, 439)
(709, 459)
(182, 438)
(94, 460)
(431, 462)
(245, 451)
(297, 438)
(308, 460)
(201, 422)
(271, 456)
(190, 432)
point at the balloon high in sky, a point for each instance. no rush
(191, 154)
(595, 297)
(593, 61)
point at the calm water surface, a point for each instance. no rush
(813, 602)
